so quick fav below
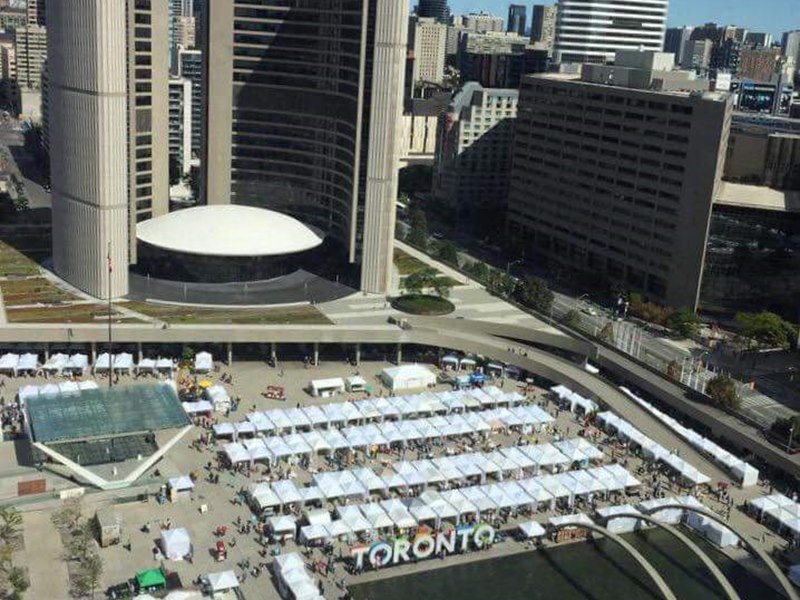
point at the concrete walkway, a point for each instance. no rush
(46, 569)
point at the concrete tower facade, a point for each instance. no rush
(313, 140)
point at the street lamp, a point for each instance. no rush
(511, 264)
(791, 434)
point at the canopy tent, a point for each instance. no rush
(165, 365)
(420, 509)
(223, 581)
(57, 362)
(282, 526)
(28, 363)
(531, 529)
(459, 502)
(257, 450)
(327, 387)
(354, 519)
(183, 483)
(199, 407)
(150, 578)
(101, 363)
(176, 543)
(315, 415)
(9, 363)
(203, 362)
(376, 516)
(146, 365)
(219, 398)
(617, 524)
(408, 377)
(286, 491)
(479, 499)
(262, 496)
(123, 362)
(223, 429)
(236, 453)
(313, 533)
(566, 520)
(356, 383)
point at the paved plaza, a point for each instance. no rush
(142, 521)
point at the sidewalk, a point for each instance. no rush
(47, 571)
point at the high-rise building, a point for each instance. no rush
(190, 66)
(31, 51)
(696, 54)
(640, 169)
(755, 39)
(517, 19)
(11, 18)
(481, 22)
(790, 45)
(543, 26)
(428, 42)
(759, 64)
(36, 12)
(8, 60)
(108, 151)
(180, 124)
(495, 60)
(473, 152)
(314, 141)
(675, 40)
(434, 9)
(593, 30)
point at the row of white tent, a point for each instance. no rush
(575, 400)
(14, 364)
(433, 507)
(293, 579)
(745, 473)
(27, 392)
(445, 471)
(275, 448)
(651, 449)
(780, 510)
(203, 362)
(377, 409)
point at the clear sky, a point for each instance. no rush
(774, 16)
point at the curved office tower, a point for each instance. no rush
(88, 143)
(436, 9)
(592, 31)
(303, 105)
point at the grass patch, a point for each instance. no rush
(292, 315)
(15, 264)
(32, 291)
(423, 304)
(69, 313)
(406, 263)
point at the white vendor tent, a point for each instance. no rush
(203, 362)
(282, 526)
(326, 388)
(356, 384)
(123, 362)
(9, 363)
(102, 363)
(219, 398)
(619, 524)
(407, 377)
(57, 362)
(176, 543)
(221, 582)
(531, 529)
(27, 363)
(146, 365)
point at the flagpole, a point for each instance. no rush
(110, 360)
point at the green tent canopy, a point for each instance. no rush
(150, 578)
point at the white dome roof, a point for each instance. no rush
(228, 230)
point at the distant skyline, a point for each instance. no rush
(771, 16)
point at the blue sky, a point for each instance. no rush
(773, 16)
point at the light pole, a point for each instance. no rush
(511, 264)
(789, 443)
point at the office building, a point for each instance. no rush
(790, 46)
(759, 64)
(30, 43)
(11, 18)
(428, 43)
(495, 60)
(614, 186)
(311, 142)
(473, 154)
(517, 19)
(726, 55)
(763, 151)
(481, 22)
(8, 60)
(421, 129)
(185, 32)
(543, 26)
(675, 40)
(180, 126)
(36, 12)
(697, 54)
(592, 31)
(190, 66)
(108, 154)
(453, 37)
(434, 9)
(758, 40)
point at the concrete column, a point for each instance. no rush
(94, 352)
(316, 354)
(273, 353)
(230, 353)
(358, 354)
(139, 348)
(399, 353)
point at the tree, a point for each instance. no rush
(428, 278)
(606, 334)
(418, 229)
(764, 329)
(572, 319)
(786, 428)
(67, 517)
(498, 282)
(15, 581)
(88, 576)
(534, 293)
(10, 527)
(448, 253)
(685, 322)
(479, 270)
(722, 391)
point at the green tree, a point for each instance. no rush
(685, 322)
(722, 391)
(418, 229)
(67, 517)
(764, 329)
(448, 253)
(534, 293)
(501, 284)
(572, 319)
(479, 270)
(10, 527)
(15, 581)
(88, 575)
(786, 428)
(428, 278)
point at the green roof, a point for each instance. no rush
(150, 578)
(104, 413)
